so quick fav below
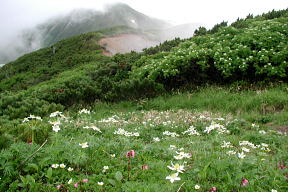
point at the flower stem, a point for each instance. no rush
(129, 168)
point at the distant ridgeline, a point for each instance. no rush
(250, 50)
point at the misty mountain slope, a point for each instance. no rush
(83, 21)
(78, 22)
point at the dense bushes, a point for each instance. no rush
(47, 63)
(19, 105)
(254, 54)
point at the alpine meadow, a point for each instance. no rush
(208, 113)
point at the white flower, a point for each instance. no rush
(156, 139)
(55, 166)
(34, 117)
(191, 131)
(31, 117)
(100, 183)
(245, 149)
(56, 128)
(181, 155)
(241, 155)
(56, 113)
(121, 131)
(70, 169)
(226, 145)
(86, 111)
(231, 152)
(241, 143)
(172, 134)
(70, 181)
(177, 167)
(181, 149)
(273, 190)
(93, 127)
(264, 145)
(262, 132)
(105, 168)
(62, 166)
(172, 147)
(112, 155)
(84, 145)
(25, 120)
(197, 187)
(173, 177)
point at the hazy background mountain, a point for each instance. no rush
(87, 20)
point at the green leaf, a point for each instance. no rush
(33, 166)
(49, 173)
(229, 177)
(23, 179)
(203, 173)
(112, 182)
(118, 176)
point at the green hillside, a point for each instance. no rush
(75, 67)
(205, 113)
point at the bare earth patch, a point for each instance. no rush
(125, 43)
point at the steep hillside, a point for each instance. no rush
(79, 22)
(83, 21)
(125, 43)
(75, 71)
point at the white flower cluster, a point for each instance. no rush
(246, 147)
(182, 155)
(156, 139)
(226, 145)
(84, 145)
(191, 131)
(93, 127)
(264, 147)
(62, 166)
(172, 134)
(216, 126)
(247, 143)
(55, 125)
(26, 119)
(179, 168)
(57, 114)
(85, 111)
(113, 119)
(121, 131)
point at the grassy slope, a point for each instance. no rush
(209, 165)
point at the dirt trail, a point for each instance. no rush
(125, 43)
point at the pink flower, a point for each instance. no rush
(145, 167)
(59, 186)
(244, 182)
(76, 185)
(281, 165)
(85, 180)
(130, 154)
(213, 189)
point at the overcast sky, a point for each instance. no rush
(19, 14)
